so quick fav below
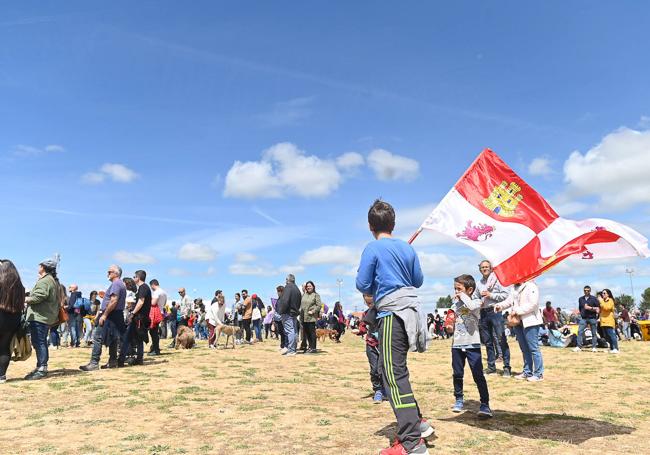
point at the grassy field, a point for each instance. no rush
(252, 400)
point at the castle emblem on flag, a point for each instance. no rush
(504, 199)
(476, 233)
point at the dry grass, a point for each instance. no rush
(252, 400)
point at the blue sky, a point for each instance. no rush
(219, 145)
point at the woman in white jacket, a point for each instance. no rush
(524, 302)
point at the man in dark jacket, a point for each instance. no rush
(288, 307)
(589, 309)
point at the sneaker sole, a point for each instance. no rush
(456, 410)
(428, 433)
(484, 415)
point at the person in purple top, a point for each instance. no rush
(110, 326)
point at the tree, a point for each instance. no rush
(444, 302)
(625, 300)
(645, 300)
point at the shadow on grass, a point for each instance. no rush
(52, 374)
(553, 427)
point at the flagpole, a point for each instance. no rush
(415, 235)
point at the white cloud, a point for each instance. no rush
(566, 207)
(128, 257)
(390, 167)
(291, 269)
(22, 150)
(283, 171)
(350, 161)
(255, 269)
(413, 217)
(342, 270)
(245, 257)
(540, 166)
(119, 172)
(340, 255)
(644, 122)
(288, 113)
(93, 178)
(196, 252)
(53, 148)
(113, 171)
(252, 179)
(616, 170)
(440, 265)
(176, 271)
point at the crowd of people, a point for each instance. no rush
(483, 313)
(132, 313)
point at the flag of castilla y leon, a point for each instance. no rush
(493, 210)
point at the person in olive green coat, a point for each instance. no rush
(310, 307)
(42, 312)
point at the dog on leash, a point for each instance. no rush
(229, 331)
(321, 334)
(185, 338)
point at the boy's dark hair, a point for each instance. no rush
(154, 282)
(381, 217)
(141, 274)
(467, 281)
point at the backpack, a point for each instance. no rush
(82, 302)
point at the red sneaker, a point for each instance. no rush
(398, 449)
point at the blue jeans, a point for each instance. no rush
(593, 324)
(491, 327)
(473, 358)
(39, 332)
(257, 325)
(88, 326)
(289, 324)
(74, 323)
(626, 330)
(55, 339)
(528, 339)
(610, 333)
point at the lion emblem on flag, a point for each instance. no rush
(476, 233)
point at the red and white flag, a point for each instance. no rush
(494, 211)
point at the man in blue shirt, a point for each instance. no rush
(390, 271)
(589, 308)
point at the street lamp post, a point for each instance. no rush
(630, 272)
(339, 282)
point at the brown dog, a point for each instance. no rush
(229, 331)
(321, 334)
(184, 338)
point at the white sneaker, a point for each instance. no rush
(594, 350)
(614, 351)
(283, 351)
(577, 349)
